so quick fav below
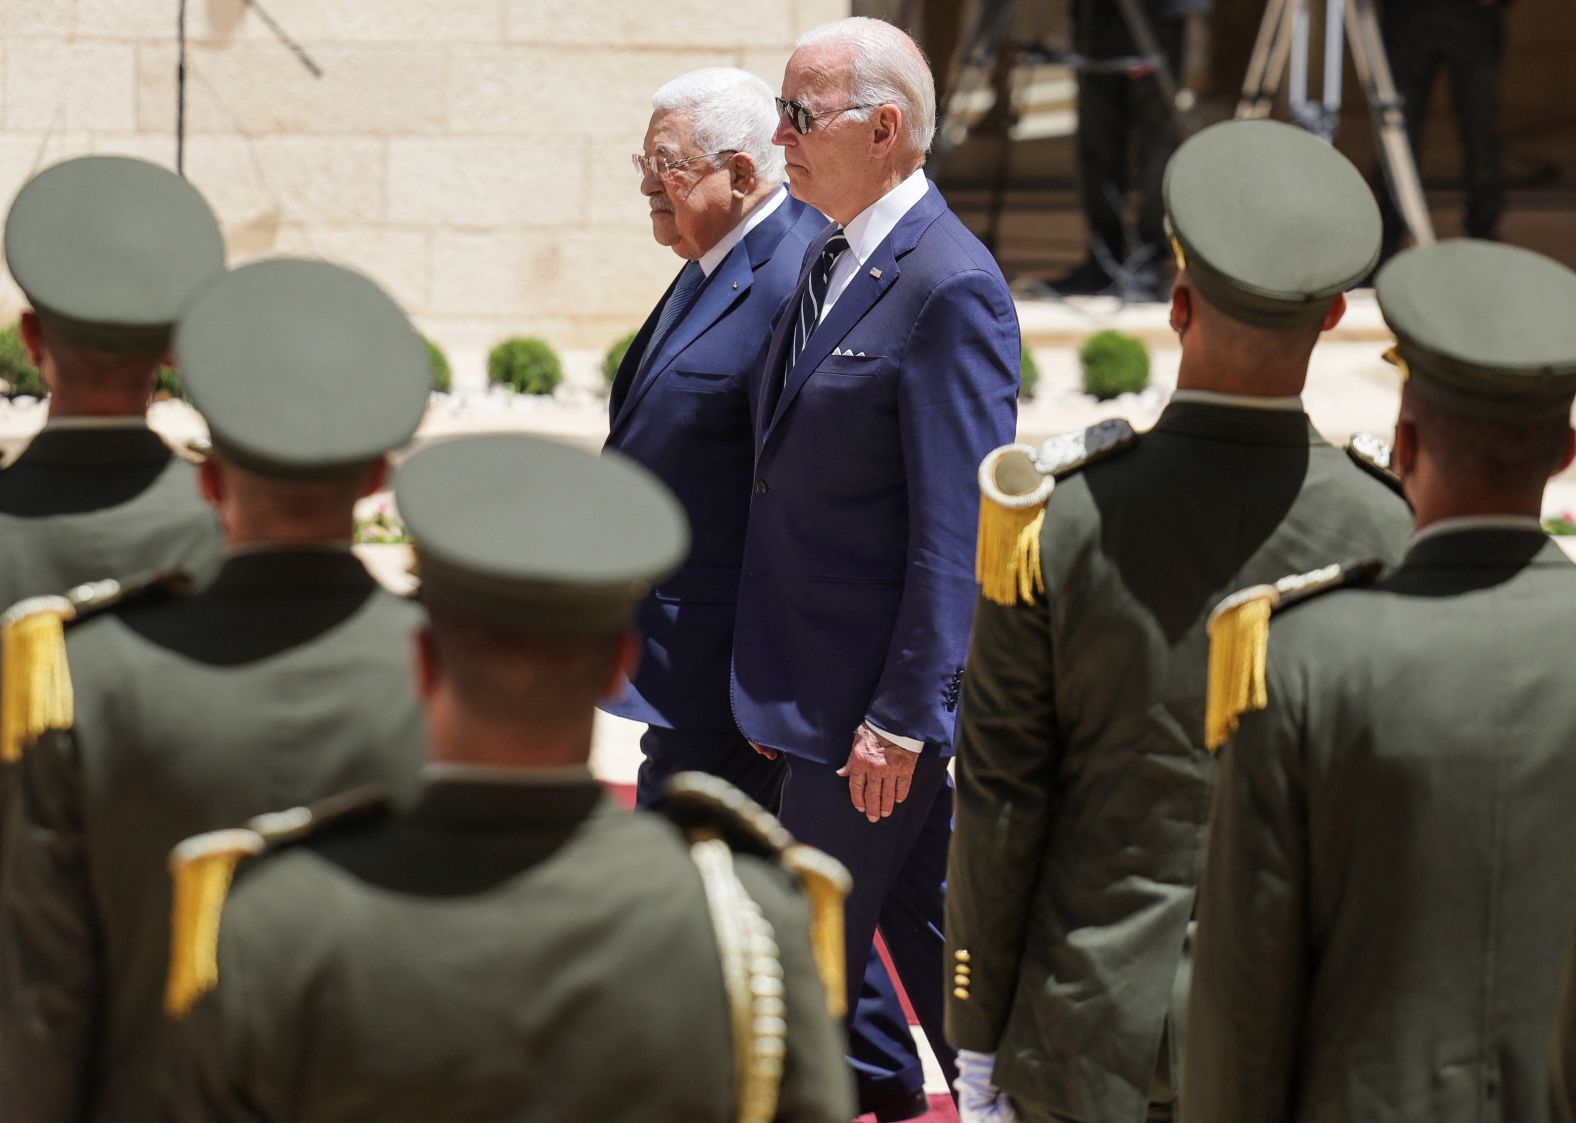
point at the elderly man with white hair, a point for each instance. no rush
(684, 395)
(891, 374)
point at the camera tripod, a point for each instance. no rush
(1285, 38)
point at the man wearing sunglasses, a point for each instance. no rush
(681, 403)
(893, 369)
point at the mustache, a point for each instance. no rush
(661, 204)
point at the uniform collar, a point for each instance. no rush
(117, 422)
(758, 214)
(95, 446)
(1467, 523)
(1213, 421)
(1290, 403)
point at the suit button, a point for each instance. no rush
(760, 487)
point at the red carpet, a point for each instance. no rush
(941, 1107)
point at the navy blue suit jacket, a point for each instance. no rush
(687, 417)
(858, 585)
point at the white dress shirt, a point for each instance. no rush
(758, 214)
(868, 230)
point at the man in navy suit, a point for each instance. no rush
(684, 396)
(891, 373)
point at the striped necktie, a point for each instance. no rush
(815, 295)
(683, 295)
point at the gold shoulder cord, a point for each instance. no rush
(753, 975)
(201, 869)
(35, 683)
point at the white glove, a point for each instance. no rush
(980, 1101)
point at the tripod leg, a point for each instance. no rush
(1268, 62)
(1389, 121)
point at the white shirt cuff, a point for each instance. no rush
(908, 744)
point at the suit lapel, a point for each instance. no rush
(728, 284)
(874, 278)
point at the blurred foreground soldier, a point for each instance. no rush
(684, 398)
(515, 946)
(1083, 779)
(287, 679)
(108, 251)
(1389, 888)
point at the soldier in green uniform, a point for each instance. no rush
(515, 946)
(163, 714)
(108, 251)
(1389, 885)
(1083, 779)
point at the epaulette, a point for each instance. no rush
(1239, 637)
(1372, 455)
(1015, 482)
(202, 867)
(35, 682)
(716, 819)
(193, 451)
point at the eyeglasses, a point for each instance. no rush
(659, 165)
(800, 116)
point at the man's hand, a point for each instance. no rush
(980, 1101)
(769, 754)
(879, 773)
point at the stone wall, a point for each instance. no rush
(472, 155)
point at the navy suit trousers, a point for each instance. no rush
(899, 867)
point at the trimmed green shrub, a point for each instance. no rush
(526, 366)
(20, 375)
(169, 385)
(1028, 375)
(442, 378)
(615, 356)
(1113, 363)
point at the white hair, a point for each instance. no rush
(886, 68)
(728, 109)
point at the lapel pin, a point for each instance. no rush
(876, 273)
(735, 284)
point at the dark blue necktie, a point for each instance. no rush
(679, 301)
(815, 296)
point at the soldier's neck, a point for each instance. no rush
(1202, 370)
(466, 739)
(67, 401)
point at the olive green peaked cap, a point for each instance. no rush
(110, 249)
(523, 532)
(1270, 222)
(302, 368)
(1483, 329)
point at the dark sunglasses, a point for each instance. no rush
(800, 116)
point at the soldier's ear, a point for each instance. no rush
(33, 338)
(377, 476)
(1181, 307)
(624, 664)
(1333, 315)
(1403, 450)
(210, 481)
(426, 665)
(1569, 454)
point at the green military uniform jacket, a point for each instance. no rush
(80, 504)
(1390, 889)
(289, 678)
(503, 952)
(1083, 786)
